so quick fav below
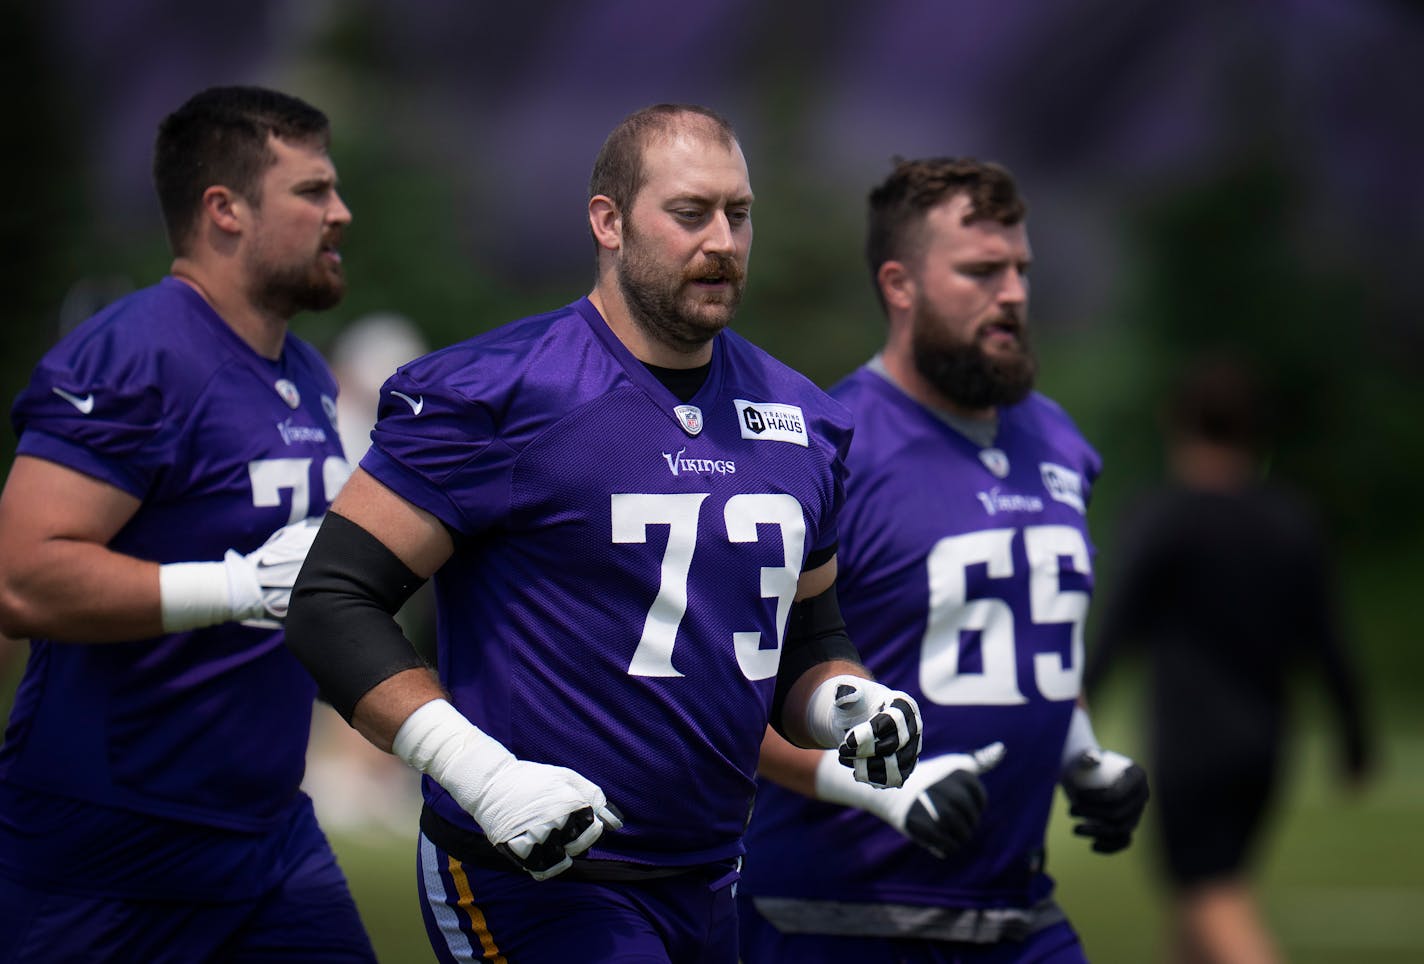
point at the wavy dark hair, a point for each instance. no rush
(899, 204)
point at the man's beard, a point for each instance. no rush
(288, 289)
(661, 303)
(967, 375)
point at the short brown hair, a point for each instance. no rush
(220, 137)
(618, 169)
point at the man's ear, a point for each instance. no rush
(224, 209)
(897, 285)
(606, 222)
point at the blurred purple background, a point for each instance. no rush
(1096, 105)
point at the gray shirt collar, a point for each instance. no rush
(978, 430)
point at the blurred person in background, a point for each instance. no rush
(363, 356)
(630, 514)
(175, 451)
(1225, 584)
(965, 573)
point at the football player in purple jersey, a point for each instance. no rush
(965, 572)
(175, 453)
(630, 516)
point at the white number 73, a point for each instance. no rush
(634, 512)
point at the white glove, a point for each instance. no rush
(253, 589)
(876, 729)
(539, 816)
(938, 807)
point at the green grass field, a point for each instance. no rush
(1342, 878)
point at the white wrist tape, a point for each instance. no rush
(1080, 738)
(829, 715)
(433, 737)
(193, 594)
(836, 783)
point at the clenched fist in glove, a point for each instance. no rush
(876, 729)
(253, 589)
(938, 807)
(1108, 792)
(539, 816)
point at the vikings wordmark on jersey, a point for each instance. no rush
(971, 569)
(563, 463)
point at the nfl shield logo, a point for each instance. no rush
(289, 392)
(995, 461)
(689, 417)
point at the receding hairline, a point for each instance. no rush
(692, 125)
(655, 124)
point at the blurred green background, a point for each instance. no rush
(1199, 175)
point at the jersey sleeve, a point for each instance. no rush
(436, 442)
(96, 404)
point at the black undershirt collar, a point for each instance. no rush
(682, 382)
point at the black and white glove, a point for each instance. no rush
(875, 729)
(1108, 792)
(938, 807)
(539, 816)
(253, 589)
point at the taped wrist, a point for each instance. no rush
(341, 623)
(1080, 738)
(438, 741)
(836, 783)
(192, 595)
(815, 634)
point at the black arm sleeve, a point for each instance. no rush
(819, 557)
(815, 633)
(341, 621)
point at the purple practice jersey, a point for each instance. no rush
(157, 396)
(964, 579)
(624, 563)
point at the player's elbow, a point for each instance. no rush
(20, 618)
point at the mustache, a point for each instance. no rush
(716, 266)
(1009, 319)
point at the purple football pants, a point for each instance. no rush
(307, 916)
(474, 913)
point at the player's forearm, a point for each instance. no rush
(70, 590)
(789, 766)
(379, 714)
(341, 626)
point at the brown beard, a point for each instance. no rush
(967, 375)
(657, 300)
(287, 289)
(300, 288)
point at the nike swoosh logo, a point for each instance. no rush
(85, 404)
(416, 404)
